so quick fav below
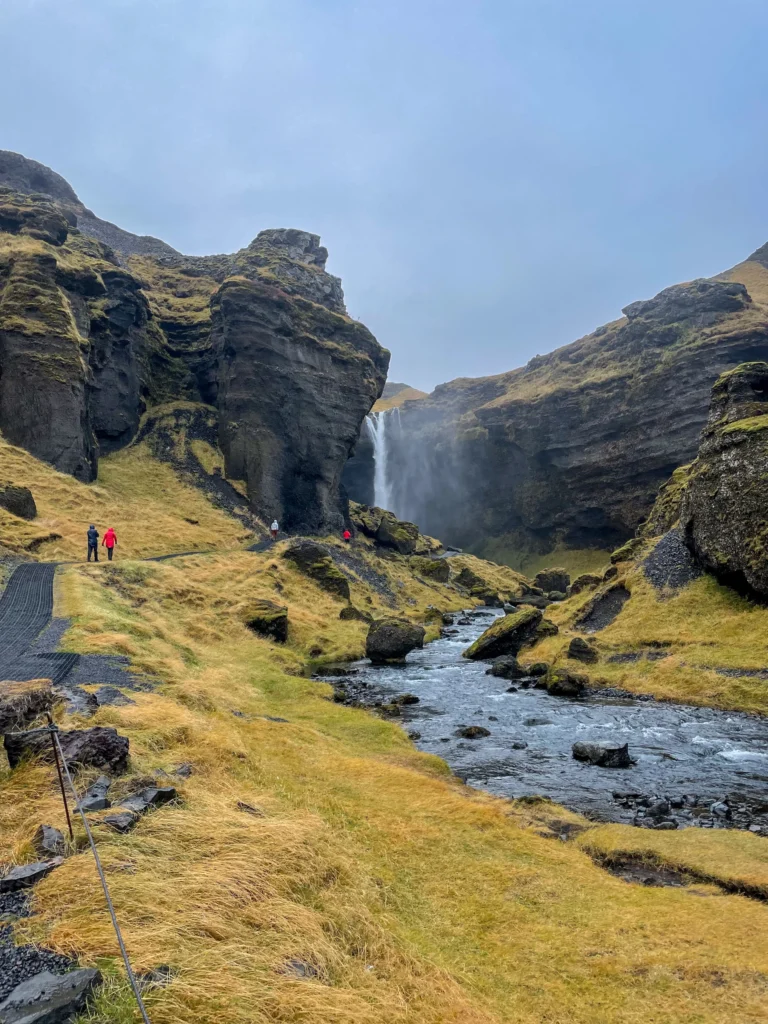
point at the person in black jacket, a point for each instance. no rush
(93, 542)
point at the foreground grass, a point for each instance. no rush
(410, 897)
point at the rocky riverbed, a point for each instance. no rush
(691, 766)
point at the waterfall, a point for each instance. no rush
(379, 426)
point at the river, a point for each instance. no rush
(686, 758)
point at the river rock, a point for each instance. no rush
(18, 501)
(268, 620)
(538, 668)
(559, 683)
(507, 635)
(49, 998)
(99, 747)
(314, 560)
(507, 667)
(392, 639)
(552, 579)
(606, 755)
(473, 732)
(582, 650)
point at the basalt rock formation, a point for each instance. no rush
(98, 325)
(725, 497)
(570, 450)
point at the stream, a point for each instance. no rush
(693, 766)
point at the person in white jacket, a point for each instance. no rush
(274, 529)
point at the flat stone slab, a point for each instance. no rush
(28, 874)
(49, 998)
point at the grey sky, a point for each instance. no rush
(492, 178)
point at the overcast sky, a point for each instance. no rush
(493, 178)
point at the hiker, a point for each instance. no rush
(109, 541)
(347, 536)
(93, 542)
(274, 528)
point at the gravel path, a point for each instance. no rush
(671, 565)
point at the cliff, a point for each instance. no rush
(97, 325)
(570, 450)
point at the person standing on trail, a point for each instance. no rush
(274, 528)
(109, 541)
(347, 536)
(93, 543)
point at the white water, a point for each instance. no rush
(380, 426)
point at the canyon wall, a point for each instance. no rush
(97, 325)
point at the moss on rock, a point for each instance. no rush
(314, 561)
(508, 635)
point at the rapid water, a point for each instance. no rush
(689, 756)
(380, 426)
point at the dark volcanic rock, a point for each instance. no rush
(560, 683)
(581, 650)
(603, 608)
(314, 561)
(507, 635)
(552, 579)
(20, 703)
(295, 382)
(350, 613)
(387, 530)
(95, 797)
(268, 619)
(49, 998)
(587, 581)
(48, 842)
(606, 755)
(507, 667)
(724, 503)
(27, 875)
(18, 501)
(100, 747)
(473, 732)
(392, 639)
(671, 564)
(437, 569)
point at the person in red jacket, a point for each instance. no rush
(347, 536)
(109, 541)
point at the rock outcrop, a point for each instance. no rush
(570, 450)
(507, 635)
(725, 497)
(392, 639)
(97, 325)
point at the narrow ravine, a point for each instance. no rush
(687, 758)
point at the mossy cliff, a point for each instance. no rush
(569, 451)
(98, 325)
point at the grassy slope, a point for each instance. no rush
(414, 898)
(143, 499)
(705, 624)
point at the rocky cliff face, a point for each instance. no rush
(97, 325)
(571, 449)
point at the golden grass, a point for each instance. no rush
(706, 626)
(412, 897)
(143, 499)
(575, 560)
(754, 276)
(729, 858)
(407, 394)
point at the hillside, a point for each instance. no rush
(315, 865)
(564, 456)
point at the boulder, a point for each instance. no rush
(314, 560)
(392, 639)
(477, 587)
(129, 811)
(627, 551)
(544, 629)
(394, 533)
(350, 613)
(49, 998)
(404, 699)
(473, 732)
(99, 747)
(606, 755)
(436, 569)
(538, 668)
(724, 502)
(507, 667)
(582, 650)
(27, 875)
(49, 842)
(20, 703)
(268, 619)
(556, 595)
(587, 581)
(18, 501)
(507, 635)
(560, 683)
(552, 579)
(121, 821)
